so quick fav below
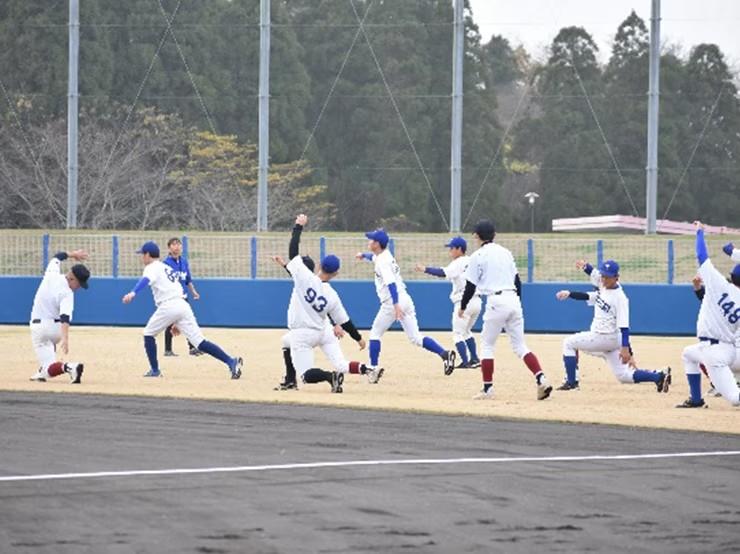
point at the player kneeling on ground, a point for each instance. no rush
(312, 302)
(52, 313)
(172, 309)
(609, 336)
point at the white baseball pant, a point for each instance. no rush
(692, 357)
(45, 336)
(462, 326)
(718, 358)
(303, 341)
(503, 311)
(387, 315)
(175, 311)
(602, 345)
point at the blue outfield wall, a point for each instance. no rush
(655, 309)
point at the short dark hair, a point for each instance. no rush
(485, 230)
(173, 240)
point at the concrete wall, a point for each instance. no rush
(655, 309)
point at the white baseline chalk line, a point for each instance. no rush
(362, 463)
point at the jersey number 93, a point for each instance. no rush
(318, 303)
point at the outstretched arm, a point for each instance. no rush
(701, 246)
(436, 271)
(575, 295)
(295, 238)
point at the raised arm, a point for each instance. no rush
(295, 238)
(701, 246)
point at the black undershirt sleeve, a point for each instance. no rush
(700, 293)
(518, 285)
(295, 240)
(352, 330)
(576, 295)
(467, 294)
(61, 256)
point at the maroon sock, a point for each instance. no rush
(486, 368)
(354, 367)
(532, 363)
(57, 368)
(704, 370)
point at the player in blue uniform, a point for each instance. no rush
(181, 269)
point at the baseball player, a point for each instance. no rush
(492, 273)
(609, 337)
(732, 252)
(171, 310)
(312, 302)
(180, 267)
(718, 330)
(395, 303)
(52, 313)
(461, 327)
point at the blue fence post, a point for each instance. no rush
(185, 249)
(530, 260)
(671, 260)
(44, 252)
(599, 252)
(392, 246)
(322, 248)
(114, 262)
(253, 257)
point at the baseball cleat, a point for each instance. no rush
(688, 403)
(236, 367)
(568, 386)
(449, 362)
(195, 352)
(374, 374)
(336, 382)
(472, 364)
(287, 385)
(75, 372)
(544, 388)
(38, 377)
(713, 392)
(153, 373)
(665, 380)
(169, 354)
(484, 394)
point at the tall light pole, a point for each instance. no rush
(458, 47)
(264, 115)
(73, 99)
(651, 203)
(531, 198)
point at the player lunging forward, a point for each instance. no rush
(395, 303)
(52, 313)
(492, 273)
(461, 326)
(312, 302)
(609, 336)
(172, 309)
(717, 329)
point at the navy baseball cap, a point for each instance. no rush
(149, 247)
(378, 235)
(330, 264)
(457, 242)
(609, 268)
(485, 229)
(735, 275)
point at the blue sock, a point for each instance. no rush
(471, 347)
(150, 346)
(215, 351)
(462, 349)
(694, 386)
(433, 346)
(571, 366)
(642, 376)
(374, 352)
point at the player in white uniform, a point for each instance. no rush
(313, 303)
(732, 252)
(395, 303)
(454, 272)
(609, 336)
(172, 309)
(492, 273)
(52, 313)
(717, 329)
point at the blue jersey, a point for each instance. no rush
(181, 270)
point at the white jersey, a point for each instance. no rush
(339, 315)
(164, 282)
(719, 316)
(491, 269)
(53, 297)
(311, 302)
(455, 273)
(387, 272)
(736, 255)
(611, 307)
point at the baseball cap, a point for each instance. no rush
(378, 235)
(330, 264)
(308, 262)
(82, 274)
(457, 242)
(149, 247)
(735, 275)
(609, 268)
(485, 229)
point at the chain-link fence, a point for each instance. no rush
(541, 258)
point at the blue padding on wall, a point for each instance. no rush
(655, 309)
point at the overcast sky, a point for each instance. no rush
(534, 23)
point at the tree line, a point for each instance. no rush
(359, 122)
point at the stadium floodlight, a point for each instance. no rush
(531, 198)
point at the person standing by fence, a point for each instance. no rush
(181, 269)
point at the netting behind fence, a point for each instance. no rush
(542, 258)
